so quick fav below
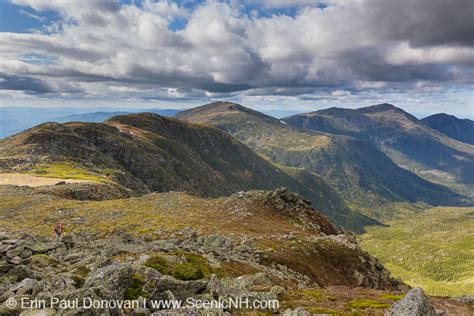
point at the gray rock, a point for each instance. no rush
(163, 245)
(69, 241)
(229, 287)
(466, 299)
(148, 274)
(20, 272)
(111, 281)
(39, 312)
(180, 289)
(15, 260)
(78, 220)
(299, 311)
(277, 290)
(15, 252)
(5, 267)
(9, 311)
(415, 303)
(191, 312)
(243, 287)
(26, 253)
(215, 241)
(4, 248)
(3, 235)
(74, 257)
(140, 311)
(10, 241)
(41, 247)
(26, 286)
(6, 295)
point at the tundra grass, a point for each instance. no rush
(433, 249)
(70, 171)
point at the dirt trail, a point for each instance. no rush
(33, 181)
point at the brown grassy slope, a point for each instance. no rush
(260, 215)
(146, 152)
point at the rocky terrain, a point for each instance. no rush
(256, 244)
(260, 245)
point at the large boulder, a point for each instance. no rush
(20, 272)
(15, 252)
(252, 287)
(228, 287)
(415, 303)
(180, 289)
(26, 286)
(40, 247)
(111, 281)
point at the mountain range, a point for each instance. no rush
(16, 119)
(363, 175)
(345, 162)
(459, 129)
(409, 142)
(142, 153)
(100, 116)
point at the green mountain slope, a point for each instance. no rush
(432, 249)
(147, 152)
(459, 129)
(407, 141)
(360, 173)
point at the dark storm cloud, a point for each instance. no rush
(29, 85)
(423, 22)
(370, 64)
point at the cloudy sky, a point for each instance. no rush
(280, 54)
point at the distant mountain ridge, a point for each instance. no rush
(147, 152)
(16, 119)
(360, 173)
(459, 129)
(101, 116)
(406, 140)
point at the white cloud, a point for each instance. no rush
(103, 49)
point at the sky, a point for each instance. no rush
(266, 54)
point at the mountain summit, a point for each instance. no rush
(359, 172)
(409, 142)
(459, 129)
(142, 153)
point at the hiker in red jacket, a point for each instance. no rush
(59, 230)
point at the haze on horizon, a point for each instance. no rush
(266, 54)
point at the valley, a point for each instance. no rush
(432, 249)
